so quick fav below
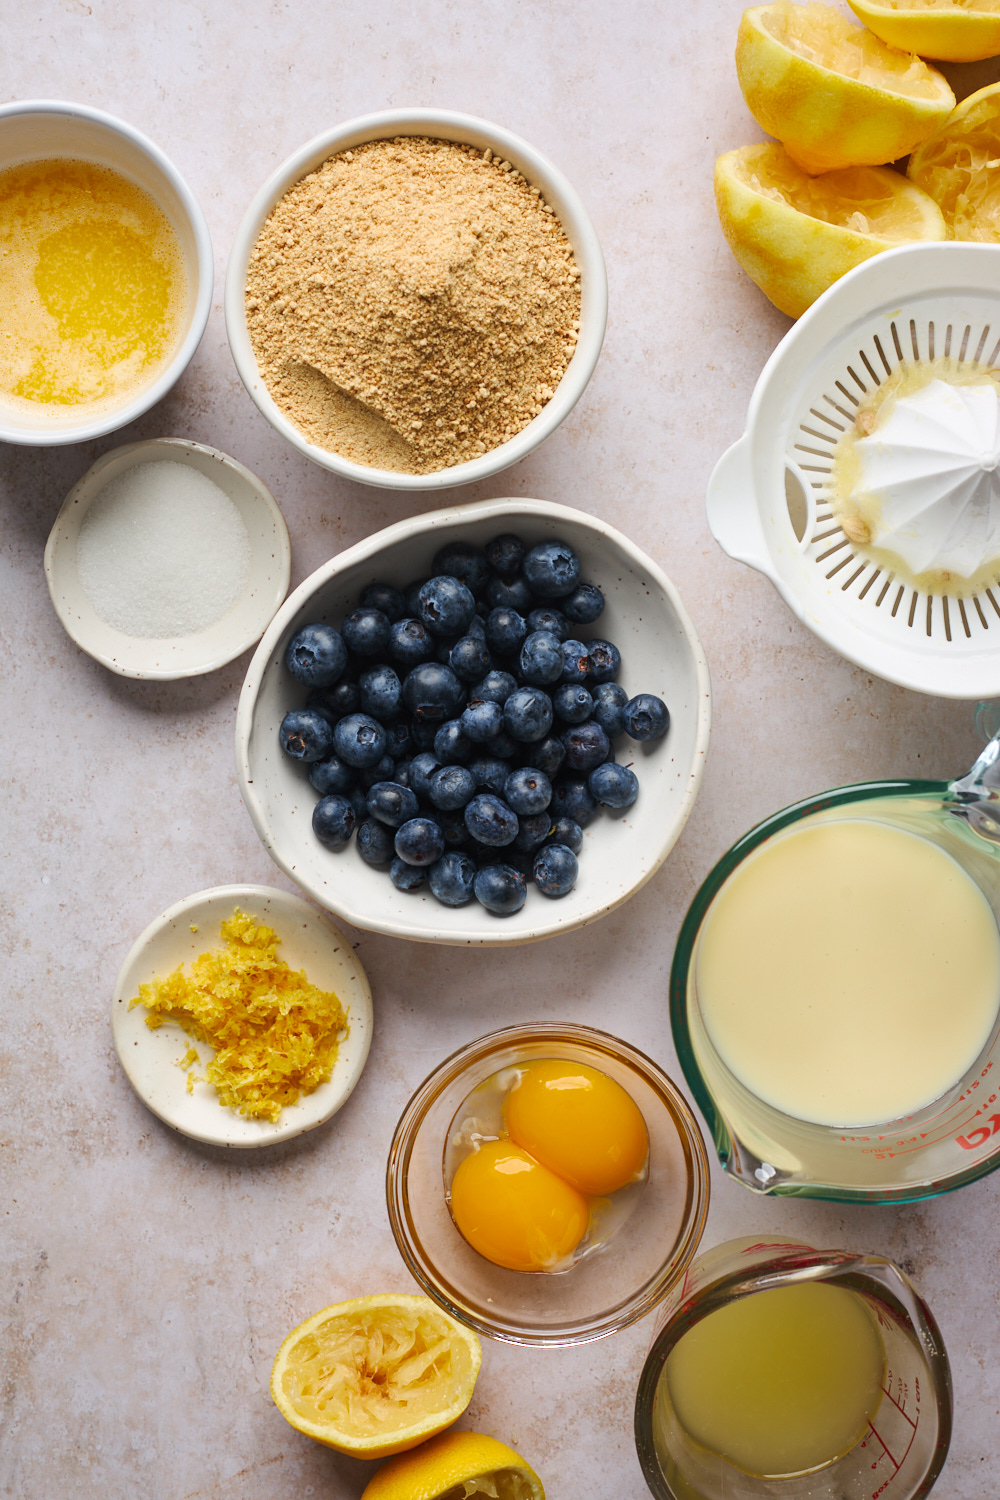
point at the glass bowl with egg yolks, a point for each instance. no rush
(594, 1197)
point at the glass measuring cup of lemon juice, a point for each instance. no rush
(779, 1370)
(836, 987)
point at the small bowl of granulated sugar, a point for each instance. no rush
(168, 559)
(416, 299)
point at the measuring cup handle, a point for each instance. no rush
(733, 514)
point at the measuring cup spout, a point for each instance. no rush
(975, 797)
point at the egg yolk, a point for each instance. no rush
(514, 1211)
(580, 1123)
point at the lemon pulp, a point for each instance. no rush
(92, 281)
(779, 1382)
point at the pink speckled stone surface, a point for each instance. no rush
(147, 1281)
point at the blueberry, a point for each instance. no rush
(490, 772)
(445, 606)
(646, 717)
(433, 692)
(496, 687)
(505, 554)
(501, 746)
(402, 777)
(410, 643)
(605, 661)
(555, 870)
(406, 877)
(411, 596)
(584, 605)
(451, 879)
(360, 740)
(572, 799)
(586, 745)
(551, 620)
(451, 788)
(513, 594)
(490, 820)
(541, 660)
(452, 825)
(572, 703)
(609, 700)
(306, 735)
(392, 804)
(465, 562)
(548, 755)
(333, 821)
(343, 699)
(423, 734)
(422, 768)
(552, 570)
(317, 701)
(384, 597)
(451, 745)
(381, 693)
(528, 791)
(565, 831)
(576, 661)
(374, 842)
(359, 801)
(316, 655)
(481, 721)
(332, 775)
(477, 626)
(613, 786)
(501, 889)
(527, 714)
(398, 741)
(505, 631)
(366, 632)
(382, 770)
(533, 831)
(420, 841)
(469, 658)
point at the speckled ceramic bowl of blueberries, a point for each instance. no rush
(618, 849)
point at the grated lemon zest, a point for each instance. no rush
(275, 1034)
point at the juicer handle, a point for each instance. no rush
(733, 515)
(975, 797)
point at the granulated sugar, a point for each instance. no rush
(162, 552)
(412, 304)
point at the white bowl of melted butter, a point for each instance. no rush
(106, 273)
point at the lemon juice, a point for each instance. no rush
(777, 1383)
(92, 283)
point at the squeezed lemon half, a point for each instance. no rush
(795, 235)
(376, 1375)
(834, 94)
(457, 1466)
(959, 167)
(949, 30)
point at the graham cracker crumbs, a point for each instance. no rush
(412, 304)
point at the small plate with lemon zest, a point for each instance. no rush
(242, 1016)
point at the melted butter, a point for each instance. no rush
(92, 282)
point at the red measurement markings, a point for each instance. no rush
(901, 1411)
(979, 1136)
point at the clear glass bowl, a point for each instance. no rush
(602, 1293)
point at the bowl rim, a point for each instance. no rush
(602, 1042)
(308, 1118)
(384, 124)
(86, 490)
(504, 510)
(201, 272)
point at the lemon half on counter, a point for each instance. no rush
(795, 235)
(376, 1375)
(959, 167)
(457, 1466)
(834, 94)
(948, 30)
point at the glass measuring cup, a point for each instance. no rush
(906, 1442)
(953, 1140)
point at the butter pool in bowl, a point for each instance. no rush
(661, 654)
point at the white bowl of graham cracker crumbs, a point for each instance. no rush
(416, 299)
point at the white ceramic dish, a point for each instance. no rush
(661, 654)
(309, 941)
(557, 192)
(36, 129)
(179, 656)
